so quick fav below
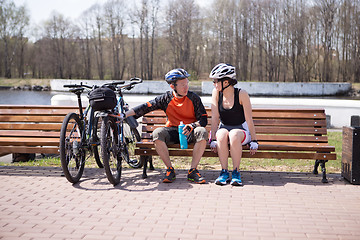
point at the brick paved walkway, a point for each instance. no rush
(37, 203)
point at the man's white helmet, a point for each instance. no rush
(223, 70)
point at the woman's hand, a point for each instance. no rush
(213, 146)
(253, 147)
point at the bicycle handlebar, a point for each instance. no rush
(133, 81)
(77, 85)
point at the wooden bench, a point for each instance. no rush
(32, 128)
(282, 134)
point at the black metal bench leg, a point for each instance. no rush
(151, 167)
(316, 166)
(323, 169)
(144, 159)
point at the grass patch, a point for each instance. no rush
(247, 164)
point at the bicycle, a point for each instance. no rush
(118, 137)
(79, 135)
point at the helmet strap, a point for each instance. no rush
(222, 86)
(174, 84)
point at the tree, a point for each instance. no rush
(61, 50)
(147, 20)
(327, 10)
(115, 12)
(13, 23)
(180, 17)
(96, 22)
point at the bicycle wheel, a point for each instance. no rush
(131, 137)
(96, 141)
(110, 150)
(72, 156)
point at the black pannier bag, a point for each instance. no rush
(102, 98)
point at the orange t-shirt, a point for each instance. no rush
(180, 109)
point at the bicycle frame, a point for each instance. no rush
(87, 133)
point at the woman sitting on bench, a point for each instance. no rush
(231, 108)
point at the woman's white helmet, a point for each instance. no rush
(223, 70)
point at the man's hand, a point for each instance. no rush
(188, 128)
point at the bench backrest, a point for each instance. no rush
(273, 126)
(33, 118)
(31, 129)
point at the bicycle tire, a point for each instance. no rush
(132, 136)
(96, 139)
(72, 156)
(110, 150)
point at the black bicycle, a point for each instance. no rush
(79, 135)
(119, 136)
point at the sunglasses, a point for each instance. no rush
(215, 80)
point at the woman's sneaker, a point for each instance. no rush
(169, 175)
(224, 178)
(194, 176)
(236, 178)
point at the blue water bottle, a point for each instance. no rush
(182, 137)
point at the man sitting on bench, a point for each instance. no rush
(180, 105)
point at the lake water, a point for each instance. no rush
(26, 97)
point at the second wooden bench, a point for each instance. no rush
(31, 128)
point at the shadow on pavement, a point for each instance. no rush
(94, 179)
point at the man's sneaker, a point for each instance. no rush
(170, 175)
(236, 178)
(194, 176)
(224, 178)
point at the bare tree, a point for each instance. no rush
(115, 13)
(85, 44)
(180, 27)
(60, 31)
(327, 11)
(96, 22)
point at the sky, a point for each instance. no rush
(41, 10)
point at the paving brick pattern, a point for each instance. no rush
(37, 203)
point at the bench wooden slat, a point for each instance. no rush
(290, 130)
(43, 112)
(272, 155)
(290, 123)
(263, 146)
(279, 138)
(28, 141)
(34, 126)
(26, 149)
(21, 133)
(31, 118)
(5, 106)
(270, 113)
(265, 130)
(257, 122)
